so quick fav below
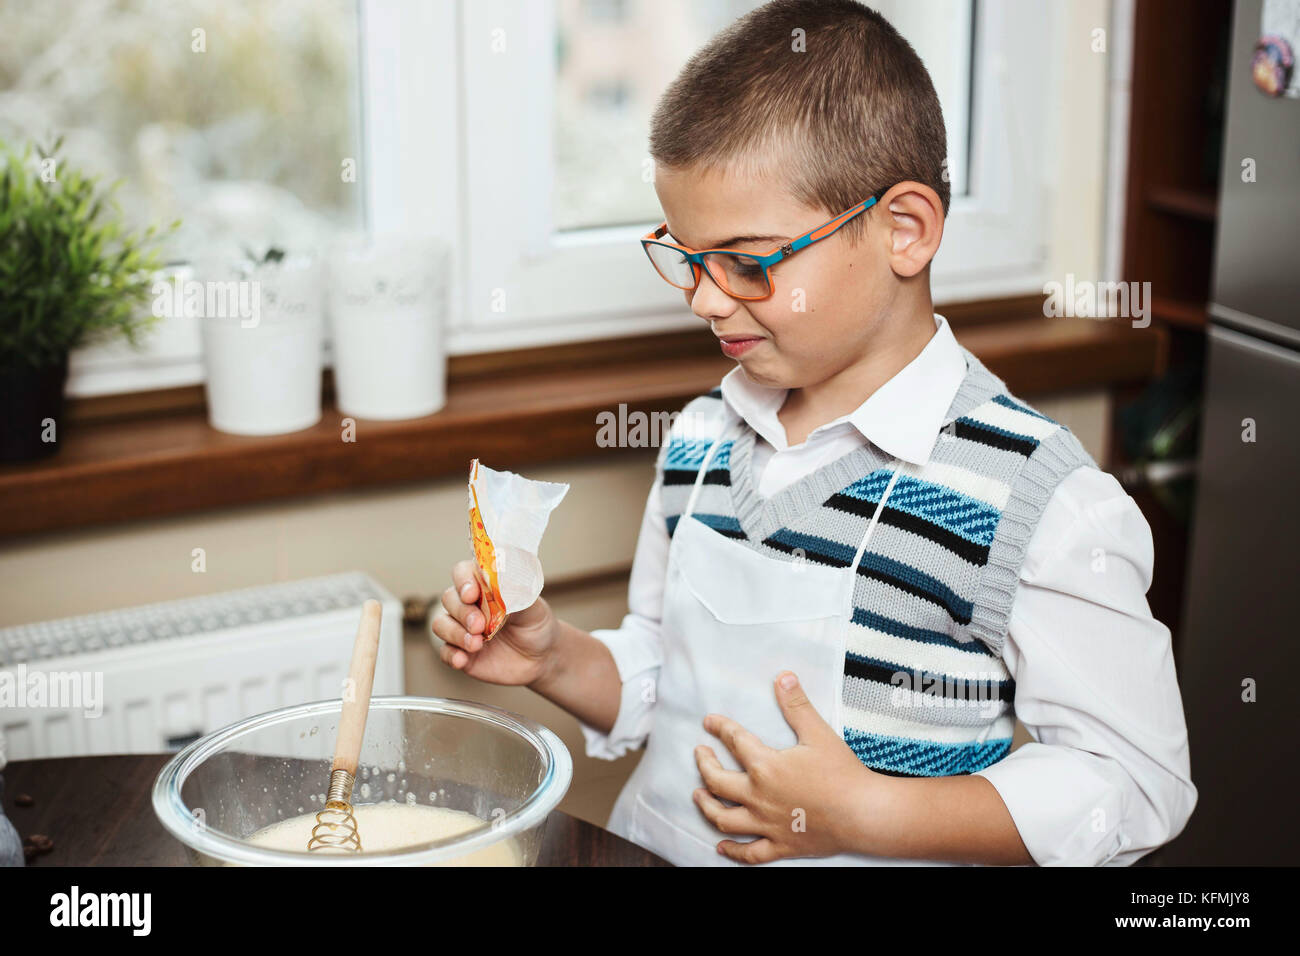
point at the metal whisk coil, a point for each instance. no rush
(336, 827)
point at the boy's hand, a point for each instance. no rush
(520, 651)
(811, 800)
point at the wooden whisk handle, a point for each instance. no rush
(356, 694)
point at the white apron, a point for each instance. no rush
(734, 619)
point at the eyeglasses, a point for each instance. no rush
(742, 275)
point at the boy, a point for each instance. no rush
(861, 558)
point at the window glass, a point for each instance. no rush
(235, 117)
(615, 58)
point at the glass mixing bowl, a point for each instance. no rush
(503, 768)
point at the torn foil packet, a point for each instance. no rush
(507, 517)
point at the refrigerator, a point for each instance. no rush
(1239, 653)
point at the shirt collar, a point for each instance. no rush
(902, 417)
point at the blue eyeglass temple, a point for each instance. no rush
(821, 232)
(829, 228)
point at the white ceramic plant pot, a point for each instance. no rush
(387, 308)
(263, 358)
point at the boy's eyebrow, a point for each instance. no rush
(728, 243)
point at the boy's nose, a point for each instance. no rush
(708, 301)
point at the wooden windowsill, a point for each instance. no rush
(154, 463)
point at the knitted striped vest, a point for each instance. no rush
(926, 692)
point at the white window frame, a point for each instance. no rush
(593, 283)
(486, 186)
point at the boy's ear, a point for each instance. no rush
(913, 218)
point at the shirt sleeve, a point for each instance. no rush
(636, 644)
(1106, 778)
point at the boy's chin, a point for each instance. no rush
(777, 371)
(772, 374)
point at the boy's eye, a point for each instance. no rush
(742, 266)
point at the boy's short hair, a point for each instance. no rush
(854, 113)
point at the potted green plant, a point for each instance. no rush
(71, 274)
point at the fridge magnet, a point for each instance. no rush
(1272, 66)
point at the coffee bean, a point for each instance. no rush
(23, 800)
(42, 843)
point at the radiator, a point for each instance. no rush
(169, 673)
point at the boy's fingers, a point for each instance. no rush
(466, 613)
(744, 746)
(453, 656)
(725, 818)
(451, 632)
(465, 581)
(798, 710)
(761, 850)
(730, 785)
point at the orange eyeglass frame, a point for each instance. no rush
(764, 260)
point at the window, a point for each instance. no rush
(515, 129)
(557, 181)
(233, 117)
(608, 77)
(606, 85)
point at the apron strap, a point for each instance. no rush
(880, 506)
(699, 478)
(871, 527)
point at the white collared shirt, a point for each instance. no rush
(1106, 778)
(901, 418)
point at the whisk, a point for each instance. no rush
(336, 826)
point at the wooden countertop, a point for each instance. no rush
(99, 812)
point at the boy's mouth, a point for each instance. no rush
(736, 345)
